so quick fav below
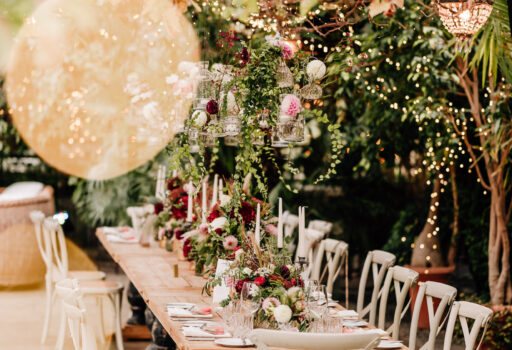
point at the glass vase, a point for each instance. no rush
(293, 130)
(231, 125)
(277, 140)
(233, 141)
(215, 127)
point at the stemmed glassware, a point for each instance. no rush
(248, 297)
(244, 322)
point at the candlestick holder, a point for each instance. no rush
(303, 263)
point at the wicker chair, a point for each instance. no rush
(20, 259)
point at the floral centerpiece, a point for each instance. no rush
(171, 212)
(226, 225)
(280, 293)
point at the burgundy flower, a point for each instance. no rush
(180, 210)
(260, 281)
(218, 231)
(173, 183)
(239, 285)
(247, 212)
(285, 271)
(288, 284)
(178, 232)
(294, 281)
(158, 207)
(213, 215)
(212, 107)
(187, 248)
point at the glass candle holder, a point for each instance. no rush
(193, 134)
(207, 139)
(277, 140)
(215, 128)
(293, 130)
(231, 125)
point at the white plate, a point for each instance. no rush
(389, 344)
(234, 342)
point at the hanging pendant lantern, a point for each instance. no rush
(463, 18)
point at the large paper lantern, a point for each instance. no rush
(97, 88)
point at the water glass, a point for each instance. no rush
(244, 322)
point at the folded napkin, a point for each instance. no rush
(389, 344)
(375, 330)
(177, 312)
(347, 313)
(119, 230)
(196, 332)
(354, 323)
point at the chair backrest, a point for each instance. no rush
(290, 223)
(403, 280)
(137, 214)
(43, 239)
(265, 338)
(379, 262)
(321, 225)
(464, 310)
(60, 252)
(311, 238)
(76, 313)
(336, 253)
(160, 182)
(430, 290)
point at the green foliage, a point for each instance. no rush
(493, 46)
(403, 232)
(103, 203)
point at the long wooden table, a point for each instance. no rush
(151, 270)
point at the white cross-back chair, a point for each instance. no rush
(290, 223)
(55, 269)
(464, 310)
(321, 225)
(378, 261)
(160, 182)
(428, 291)
(265, 338)
(403, 280)
(90, 286)
(76, 313)
(311, 239)
(336, 256)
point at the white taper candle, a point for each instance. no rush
(257, 229)
(204, 203)
(189, 202)
(280, 225)
(214, 195)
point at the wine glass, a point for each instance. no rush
(317, 301)
(248, 297)
(227, 314)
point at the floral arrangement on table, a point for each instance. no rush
(280, 295)
(226, 225)
(171, 212)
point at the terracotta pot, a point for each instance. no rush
(436, 274)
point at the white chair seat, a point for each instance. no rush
(100, 287)
(87, 275)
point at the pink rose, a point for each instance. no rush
(271, 229)
(203, 228)
(291, 106)
(286, 50)
(270, 303)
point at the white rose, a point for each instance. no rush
(199, 118)
(238, 253)
(189, 188)
(292, 292)
(315, 70)
(219, 222)
(283, 313)
(224, 199)
(247, 271)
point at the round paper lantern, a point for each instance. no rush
(97, 88)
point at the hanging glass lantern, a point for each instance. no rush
(464, 18)
(284, 75)
(311, 91)
(207, 139)
(277, 137)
